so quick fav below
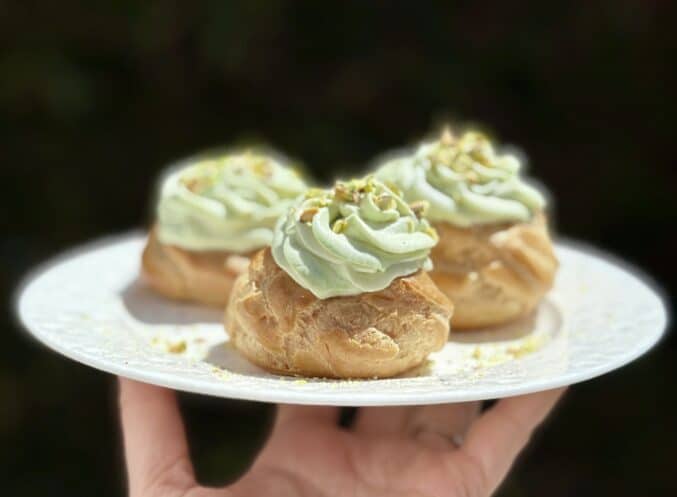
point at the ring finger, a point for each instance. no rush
(439, 426)
(434, 425)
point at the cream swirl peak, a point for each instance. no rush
(355, 238)
(226, 203)
(465, 181)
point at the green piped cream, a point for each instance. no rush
(227, 203)
(465, 181)
(355, 238)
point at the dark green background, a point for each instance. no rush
(95, 98)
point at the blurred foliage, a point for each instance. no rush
(97, 97)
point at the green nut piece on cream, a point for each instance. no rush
(465, 181)
(226, 203)
(355, 238)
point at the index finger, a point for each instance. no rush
(156, 450)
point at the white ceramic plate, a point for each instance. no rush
(89, 306)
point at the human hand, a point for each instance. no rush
(425, 451)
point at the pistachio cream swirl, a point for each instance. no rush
(465, 181)
(355, 238)
(226, 203)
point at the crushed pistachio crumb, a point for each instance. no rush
(344, 192)
(308, 214)
(447, 137)
(339, 225)
(262, 168)
(419, 207)
(385, 202)
(472, 176)
(462, 153)
(479, 156)
(178, 347)
(193, 184)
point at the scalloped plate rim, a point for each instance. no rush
(330, 396)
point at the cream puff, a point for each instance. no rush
(212, 214)
(343, 292)
(495, 259)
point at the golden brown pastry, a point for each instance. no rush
(343, 292)
(494, 260)
(493, 273)
(212, 214)
(284, 328)
(180, 274)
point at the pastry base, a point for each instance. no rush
(204, 277)
(282, 327)
(495, 273)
